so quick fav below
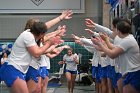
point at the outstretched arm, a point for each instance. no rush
(97, 27)
(65, 15)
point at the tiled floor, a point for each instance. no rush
(52, 88)
(61, 89)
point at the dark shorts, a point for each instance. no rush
(72, 72)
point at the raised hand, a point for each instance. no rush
(66, 14)
(89, 31)
(89, 23)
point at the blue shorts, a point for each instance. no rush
(114, 79)
(72, 72)
(9, 74)
(133, 78)
(110, 72)
(94, 71)
(98, 74)
(103, 72)
(33, 74)
(43, 72)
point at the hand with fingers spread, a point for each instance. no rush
(89, 31)
(66, 14)
(89, 23)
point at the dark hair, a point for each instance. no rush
(116, 20)
(126, 20)
(38, 28)
(124, 27)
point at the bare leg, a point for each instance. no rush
(116, 90)
(110, 88)
(129, 89)
(69, 81)
(73, 76)
(120, 85)
(34, 87)
(19, 86)
(44, 84)
(100, 87)
(104, 85)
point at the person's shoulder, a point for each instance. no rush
(65, 55)
(27, 33)
(74, 54)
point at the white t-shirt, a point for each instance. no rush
(70, 64)
(91, 48)
(45, 61)
(106, 30)
(3, 60)
(20, 58)
(96, 56)
(129, 60)
(35, 63)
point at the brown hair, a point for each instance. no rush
(30, 23)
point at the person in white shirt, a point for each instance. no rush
(114, 77)
(45, 66)
(71, 60)
(128, 55)
(33, 79)
(4, 58)
(99, 64)
(23, 49)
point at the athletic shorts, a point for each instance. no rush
(72, 72)
(43, 72)
(98, 74)
(110, 72)
(33, 74)
(103, 72)
(9, 74)
(116, 77)
(94, 71)
(132, 78)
